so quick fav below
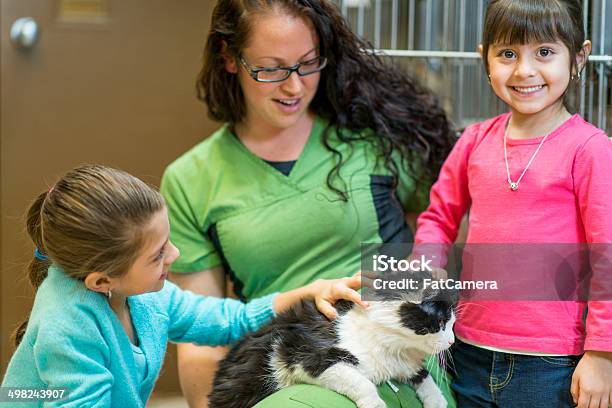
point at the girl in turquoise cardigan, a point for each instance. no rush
(104, 311)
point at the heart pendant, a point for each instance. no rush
(513, 186)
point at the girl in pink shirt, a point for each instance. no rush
(536, 175)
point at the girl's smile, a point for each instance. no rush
(531, 78)
(527, 91)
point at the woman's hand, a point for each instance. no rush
(592, 380)
(325, 292)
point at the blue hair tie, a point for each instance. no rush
(40, 256)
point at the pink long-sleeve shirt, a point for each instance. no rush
(564, 197)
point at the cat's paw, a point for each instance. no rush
(436, 400)
(371, 402)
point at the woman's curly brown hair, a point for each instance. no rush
(357, 90)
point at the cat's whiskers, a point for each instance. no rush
(438, 370)
(464, 305)
(442, 359)
(447, 364)
(440, 365)
(430, 364)
(459, 310)
(451, 361)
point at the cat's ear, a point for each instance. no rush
(430, 294)
(413, 297)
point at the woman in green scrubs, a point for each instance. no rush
(323, 147)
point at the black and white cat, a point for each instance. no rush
(349, 355)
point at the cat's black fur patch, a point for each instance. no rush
(326, 358)
(429, 316)
(419, 377)
(343, 306)
(301, 336)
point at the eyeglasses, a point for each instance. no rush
(280, 74)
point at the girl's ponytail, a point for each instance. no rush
(38, 267)
(93, 219)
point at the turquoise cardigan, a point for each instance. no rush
(75, 341)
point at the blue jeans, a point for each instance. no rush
(492, 379)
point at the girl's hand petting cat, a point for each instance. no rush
(592, 380)
(325, 292)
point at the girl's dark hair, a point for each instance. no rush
(93, 219)
(357, 90)
(525, 21)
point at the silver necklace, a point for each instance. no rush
(514, 185)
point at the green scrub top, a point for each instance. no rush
(274, 232)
